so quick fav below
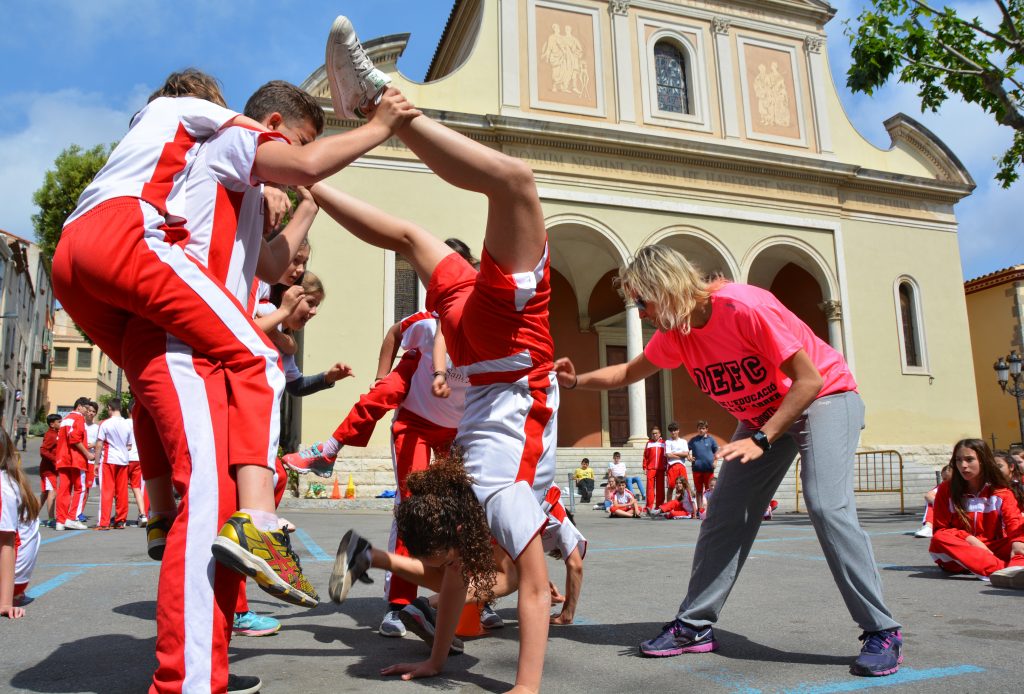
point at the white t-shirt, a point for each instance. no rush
(133, 452)
(418, 332)
(91, 431)
(617, 469)
(115, 432)
(677, 446)
(623, 499)
(10, 499)
(151, 159)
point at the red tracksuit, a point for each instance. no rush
(71, 465)
(992, 516)
(48, 462)
(413, 439)
(655, 464)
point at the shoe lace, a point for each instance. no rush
(876, 641)
(359, 58)
(291, 552)
(675, 627)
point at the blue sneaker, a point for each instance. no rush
(676, 638)
(252, 624)
(82, 518)
(881, 654)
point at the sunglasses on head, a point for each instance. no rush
(641, 304)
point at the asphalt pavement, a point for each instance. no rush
(91, 626)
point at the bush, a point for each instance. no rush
(37, 429)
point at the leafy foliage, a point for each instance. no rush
(944, 53)
(74, 169)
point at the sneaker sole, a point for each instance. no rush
(155, 549)
(341, 579)
(236, 558)
(699, 648)
(1014, 580)
(864, 672)
(256, 632)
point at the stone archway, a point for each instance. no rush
(700, 247)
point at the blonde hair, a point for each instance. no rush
(311, 284)
(664, 276)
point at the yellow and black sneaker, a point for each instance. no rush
(157, 528)
(266, 557)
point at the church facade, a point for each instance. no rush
(713, 127)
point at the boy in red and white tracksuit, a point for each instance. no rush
(48, 466)
(655, 465)
(993, 518)
(677, 452)
(93, 470)
(115, 434)
(72, 458)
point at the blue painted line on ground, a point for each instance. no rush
(904, 676)
(63, 536)
(312, 547)
(55, 582)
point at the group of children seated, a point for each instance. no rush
(974, 515)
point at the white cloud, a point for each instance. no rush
(55, 120)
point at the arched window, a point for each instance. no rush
(911, 326)
(670, 76)
(406, 289)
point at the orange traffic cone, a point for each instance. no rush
(336, 490)
(469, 622)
(350, 488)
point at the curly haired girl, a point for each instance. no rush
(445, 531)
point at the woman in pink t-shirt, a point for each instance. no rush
(791, 393)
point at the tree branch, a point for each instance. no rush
(951, 71)
(1008, 18)
(977, 27)
(1012, 116)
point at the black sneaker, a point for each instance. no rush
(350, 564)
(880, 655)
(418, 617)
(243, 684)
(676, 638)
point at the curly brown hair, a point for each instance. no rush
(443, 514)
(191, 82)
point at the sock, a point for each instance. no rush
(263, 520)
(330, 447)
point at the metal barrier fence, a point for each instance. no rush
(875, 472)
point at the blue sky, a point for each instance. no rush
(75, 71)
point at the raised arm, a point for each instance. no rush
(388, 350)
(608, 378)
(275, 255)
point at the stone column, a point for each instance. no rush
(637, 391)
(728, 102)
(833, 311)
(814, 47)
(622, 50)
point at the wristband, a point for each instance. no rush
(575, 382)
(441, 373)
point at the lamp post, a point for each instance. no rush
(1009, 368)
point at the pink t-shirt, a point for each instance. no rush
(735, 356)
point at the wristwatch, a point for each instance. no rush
(761, 440)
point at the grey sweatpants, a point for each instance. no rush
(826, 438)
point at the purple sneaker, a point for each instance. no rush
(881, 654)
(676, 638)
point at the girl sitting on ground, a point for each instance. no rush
(679, 506)
(978, 526)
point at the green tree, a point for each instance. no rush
(74, 169)
(944, 53)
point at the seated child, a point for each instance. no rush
(977, 526)
(679, 506)
(624, 504)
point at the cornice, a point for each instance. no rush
(1008, 275)
(903, 128)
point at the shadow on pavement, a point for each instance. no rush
(107, 664)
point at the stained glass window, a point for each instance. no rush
(670, 68)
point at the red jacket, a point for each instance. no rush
(72, 431)
(48, 448)
(654, 455)
(993, 514)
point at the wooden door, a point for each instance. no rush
(618, 401)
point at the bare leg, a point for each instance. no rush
(256, 488)
(515, 234)
(161, 496)
(378, 228)
(534, 611)
(409, 568)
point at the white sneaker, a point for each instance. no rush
(1010, 577)
(58, 526)
(489, 619)
(391, 625)
(355, 83)
(75, 525)
(925, 531)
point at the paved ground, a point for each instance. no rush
(784, 629)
